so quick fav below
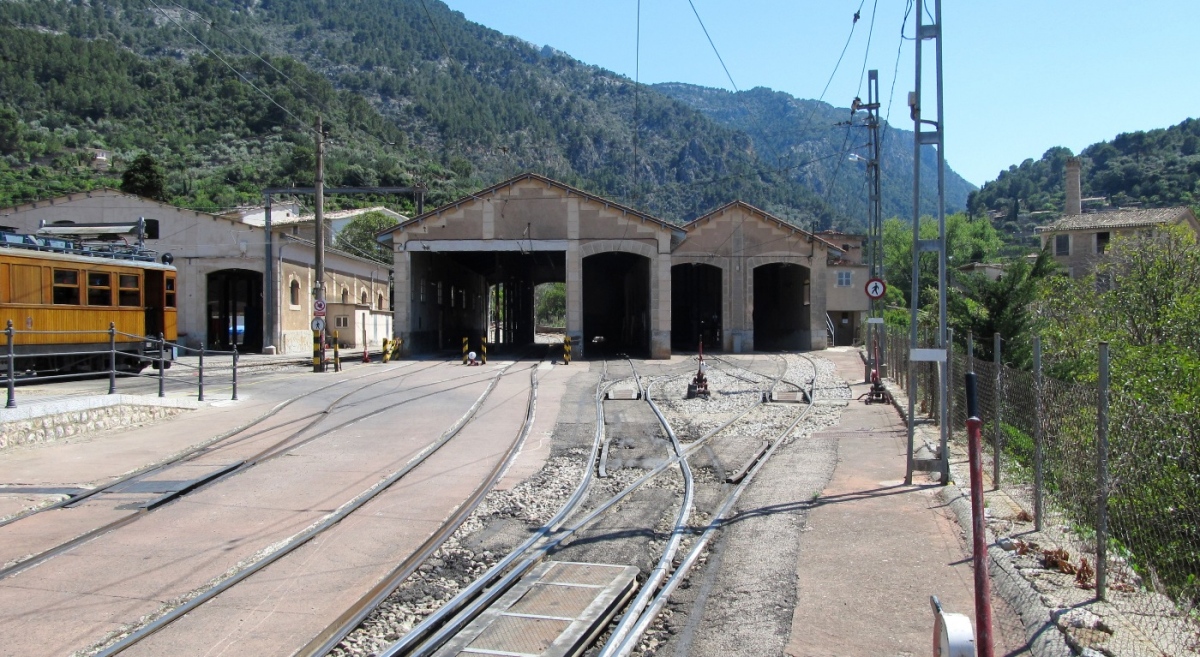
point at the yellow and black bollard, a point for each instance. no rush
(387, 352)
(466, 346)
(396, 345)
(566, 350)
(317, 351)
(483, 351)
(337, 356)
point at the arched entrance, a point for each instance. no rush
(235, 311)
(695, 307)
(781, 307)
(616, 304)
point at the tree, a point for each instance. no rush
(967, 240)
(358, 237)
(144, 178)
(10, 130)
(984, 307)
(550, 304)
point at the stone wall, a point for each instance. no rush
(58, 426)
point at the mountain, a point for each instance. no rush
(408, 89)
(1154, 168)
(808, 138)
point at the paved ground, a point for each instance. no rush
(866, 553)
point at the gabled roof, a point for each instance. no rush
(1118, 219)
(521, 178)
(763, 214)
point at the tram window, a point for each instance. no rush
(99, 288)
(170, 296)
(66, 287)
(129, 292)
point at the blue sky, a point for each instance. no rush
(1021, 76)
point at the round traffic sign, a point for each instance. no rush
(318, 324)
(319, 305)
(876, 288)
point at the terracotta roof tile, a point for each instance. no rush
(1116, 219)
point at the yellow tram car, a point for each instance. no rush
(61, 296)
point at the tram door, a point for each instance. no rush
(235, 313)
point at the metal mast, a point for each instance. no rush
(938, 354)
(319, 225)
(875, 221)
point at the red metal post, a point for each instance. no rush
(983, 583)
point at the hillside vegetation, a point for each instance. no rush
(408, 94)
(1155, 168)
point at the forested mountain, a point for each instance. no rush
(1155, 168)
(809, 139)
(409, 89)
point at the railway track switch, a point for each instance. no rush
(699, 385)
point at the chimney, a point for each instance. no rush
(1073, 205)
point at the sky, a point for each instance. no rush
(1020, 76)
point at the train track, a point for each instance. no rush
(556, 534)
(274, 449)
(404, 567)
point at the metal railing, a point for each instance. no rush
(1122, 506)
(119, 361)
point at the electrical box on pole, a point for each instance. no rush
(939, 354)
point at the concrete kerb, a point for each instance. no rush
(1043, 635)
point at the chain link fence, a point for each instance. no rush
(1112, 490)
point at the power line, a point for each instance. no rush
(867, 53)
(714, 46)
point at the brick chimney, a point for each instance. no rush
(1073, 205)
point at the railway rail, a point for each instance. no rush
(556, 534)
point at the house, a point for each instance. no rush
(846, 300)
(993, 270)
(236, 286)
(1077, 239)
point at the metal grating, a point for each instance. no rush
(586, 574)
(555, 600)
(623, 394)
(531, 636)
(554, 611)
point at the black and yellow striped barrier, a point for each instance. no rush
(337, 356)
(483, 351)
(387, 351)
(466, 346)
(317, 352)
(567, 350)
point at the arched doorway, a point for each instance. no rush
(616, 304)
(781, 307)
(695, 307)
(235, 311)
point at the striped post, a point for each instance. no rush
(567, 350)
(337, 356)
(466, 346)
(387, 350)
(483, 351)
(316, 351)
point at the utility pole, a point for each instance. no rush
(874, 249)
(940, 353)
(319, 290)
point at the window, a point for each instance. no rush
(66, 286)
(379, 302)
(129, 292)
(1102, 242)
(294, 293)
(99, 288)
(364, 298)
(170, 296)
(845, 278)
(341, 321)
(1062, 245)
(345, 295)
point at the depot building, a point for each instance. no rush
(737, 277)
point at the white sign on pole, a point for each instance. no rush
(318, 324)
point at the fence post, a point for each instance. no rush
(1102, 476)
(235, 360)
(162, 365)
(1039, 413)
(112, 358)
(200, 397)
(998, 402)
(12, 373)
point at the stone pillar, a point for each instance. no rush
(1074, 204)
(574, 279)
(660, 304)
(817, 288)
(402, 315)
